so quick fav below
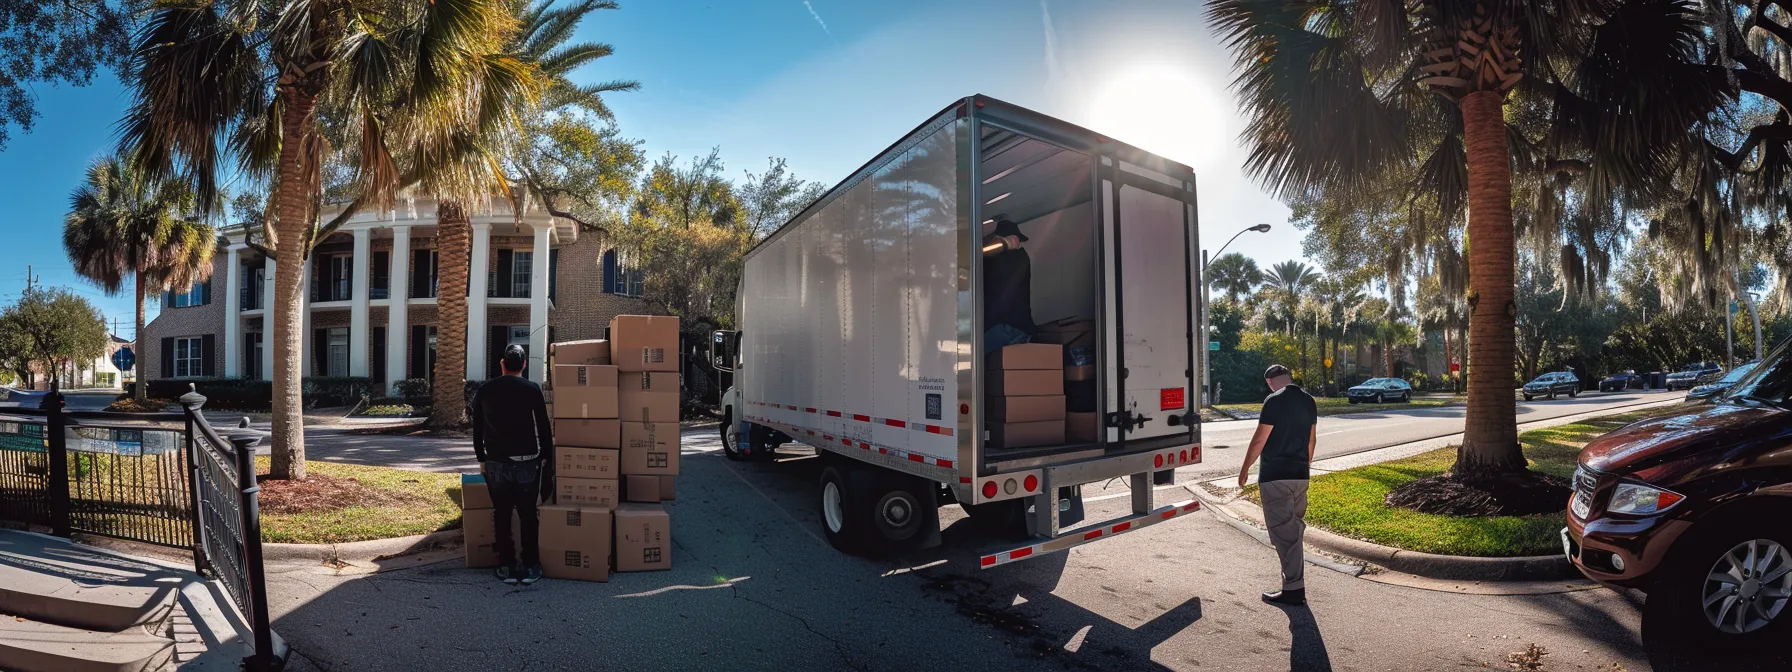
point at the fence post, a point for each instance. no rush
(56, 442)
(191, 402)
(263, 658)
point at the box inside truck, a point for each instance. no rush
(1042, 287)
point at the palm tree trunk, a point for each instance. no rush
(1387, 358)
(454, 234)
(292, 207)
(1490, 435)
(140, 391)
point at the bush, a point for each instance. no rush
(225, 394)
(336, 390)
(410, 388)
(1239, 374)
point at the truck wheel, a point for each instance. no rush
(1005, 520)
(901, 510)
(842, 515)
(730, 438)
(1729, 589)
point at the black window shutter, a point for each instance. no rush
(167, 299)
(553, 274)
(382, 271)
(167, 358)
(318, 267)
(379, 355)
(419, 351)
(506, 266)
(610, 272)
(320, 352)
(419, 274)
(497, 340)
(205, 293)
(208, 348)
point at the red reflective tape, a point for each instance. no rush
(1091, 534)
(883, 451)
(1191, 506)
(989, 560)
(811, 432)
(833, 414)
(846, 441)
(948, 464)
(916, 458)
(895, 423)
(864, 445)
(861, 418)
(790, 407)
(946, 431)
(1171, 513)
(827, 437)
(1122, 527)
(1019, 553)
(961, 479)
(808, 410)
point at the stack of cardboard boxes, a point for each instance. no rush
(1078, 338)
(615, 407)
(1024, 392)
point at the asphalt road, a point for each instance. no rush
(755, 587)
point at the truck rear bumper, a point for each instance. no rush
(1091, 535)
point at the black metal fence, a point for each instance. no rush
(167, 479)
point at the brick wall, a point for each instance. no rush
(582, 309)
(183, 322)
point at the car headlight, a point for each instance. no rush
(1641, 500)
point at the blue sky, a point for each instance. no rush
(824, 83)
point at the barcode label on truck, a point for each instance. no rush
(933, 406)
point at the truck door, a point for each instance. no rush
(1148, 228)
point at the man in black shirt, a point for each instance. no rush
(1287, 433)
(515, 445)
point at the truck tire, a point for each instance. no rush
(843, 518)
(875, 512)
(730, 437)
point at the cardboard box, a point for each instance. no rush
(594, 352)
(638, 488)
(481, 534)
(1026, 434)
(648, 397)
(644, 342)
(1027, 356)
(473, 493)
(650, 448)
(1034, 383)
(599, 492)
(1072, 331)
(643, 538)
(1075, 373)
(584, 375)
(585, 403)
(572, 462)
(575, 542)
(1025, 409)
(667, 491)
(1082, 427)
(588, 433)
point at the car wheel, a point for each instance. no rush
(1527, 397)
(1731, 588)
(1573, 392)
(1378, 398)
(1552, 394)
(1406, 398)
(1353, 401)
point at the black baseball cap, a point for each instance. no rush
(1005, 227)
(515, 358)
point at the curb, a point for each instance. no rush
(1228, 517)
(361, 551)
(1428, 565)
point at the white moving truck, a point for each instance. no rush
(863, 333)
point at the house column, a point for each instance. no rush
(233, 311)
(397, 322)
(267, 319)
(359, 282)
(477, 276)
(538, 303)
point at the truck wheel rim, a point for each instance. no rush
(730, 435)
(1747, 587)
(897, 511)
(830, 507)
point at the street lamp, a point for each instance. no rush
(1206, 300)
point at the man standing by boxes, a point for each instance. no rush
(1287, 433)
(514, 441)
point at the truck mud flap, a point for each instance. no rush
(1076, 538)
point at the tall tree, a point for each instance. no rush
(61, 41)
(1235, 275)
(57, 327)
(1287, 282)
(256, 88)
(120, 225)
(1341, 94)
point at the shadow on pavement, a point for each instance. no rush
(1308, 651)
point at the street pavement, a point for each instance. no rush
(755, 587)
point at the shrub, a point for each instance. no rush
(410, 388)
(227, 394)
(336, 390)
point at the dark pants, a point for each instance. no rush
(515, 486)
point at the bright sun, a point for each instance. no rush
(1164, 109)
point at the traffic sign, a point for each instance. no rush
(124, 359)
(1213, 346)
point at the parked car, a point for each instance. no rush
(1378, 390)
(1620, 381)
(1694, 375)
(1692, 509)
(1709, 390)
(1552, 384)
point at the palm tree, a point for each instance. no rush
(1341, 94)
(1234, 274)
(1287, 282)
(540, 45)
(255, 88)
(122, 224)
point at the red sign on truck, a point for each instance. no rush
(1170, 399)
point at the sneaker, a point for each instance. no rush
(507, 574)
(531, 575)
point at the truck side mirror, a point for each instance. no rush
(721, 350)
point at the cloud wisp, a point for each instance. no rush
(818, 21)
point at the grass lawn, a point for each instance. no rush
(346, 502)
(1352, 502)
(1340, 405)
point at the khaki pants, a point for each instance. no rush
(1285, 513)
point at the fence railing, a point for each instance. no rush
(167, 479)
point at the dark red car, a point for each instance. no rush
(1696, 510)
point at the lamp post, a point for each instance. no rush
(1206, 302)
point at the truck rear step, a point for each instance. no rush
(1086, 535)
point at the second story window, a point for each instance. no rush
(423, 274)
(622, 278)
(380, 286)
(521, 268)
(198, 295)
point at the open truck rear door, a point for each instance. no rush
(1148, 230)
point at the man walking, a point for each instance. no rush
(1287, 433)
(515, 445)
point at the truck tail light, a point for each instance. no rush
(989, 489)
(1032, 483)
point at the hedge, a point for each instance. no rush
(243, 394)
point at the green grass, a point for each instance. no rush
(1340, 405)
(1353, 502)
(389, 411)
(415, 503)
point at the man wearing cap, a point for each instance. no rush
(515, 445)
(1007, 288)
(1287, 433)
